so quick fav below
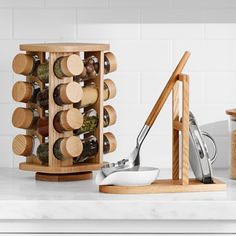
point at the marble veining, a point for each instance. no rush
(22, 197)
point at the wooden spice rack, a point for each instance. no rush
(180, 182)
(62, 170)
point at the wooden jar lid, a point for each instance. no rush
(112, 114)
(23, 64)
(22, 117)
(22, 91)
(22, 145)
(112, 141)
(72, 65)
(71, 147)
(111, 87)
(112, 61)
(90, 95)
(231, 112)
(71, 119)
(71, 92)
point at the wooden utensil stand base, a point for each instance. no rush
(180, 182)
(64, 177)
(165, 186)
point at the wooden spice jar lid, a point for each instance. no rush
(23, 64)
(71, 92)
(22, 145)
(112, 114)
(22, 117)
(111, 88)
(112, 141)
(231, 112)
(72, 65)
(22, 91)
(112, 61)
(71, 147)
(71, 119)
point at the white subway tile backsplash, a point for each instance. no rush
(45, 24)
(128, 87)
(141, 3)
(6, 86)
(22, 3)
(220, 31)
(8, 49)
(172, 31)
(220, 87)
(6, 154)
(108, 24)
(6, 23)
(206, 54)
(147, 50)
(76, 3)
(143, 55)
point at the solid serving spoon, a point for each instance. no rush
(132, 162)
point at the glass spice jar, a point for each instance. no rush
(63, 94)
(68, 66)
(110, 64)
(25, 145)
(25, 64)
(90, 94)
(25, 118)
(232, 131)
(90, 147)
(67, 120)
(91, 67)
(25, 92)
(91, 120)
(63, 148)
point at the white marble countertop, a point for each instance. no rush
(22, 197)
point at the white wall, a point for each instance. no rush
(147, 50)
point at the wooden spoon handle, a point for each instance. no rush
(166, 91)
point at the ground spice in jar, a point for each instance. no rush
(42, 126)
(90, 94)
(42, 153)
(42, 99)
(43, 72)
(233, 155)
(90, 122)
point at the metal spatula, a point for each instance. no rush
(132, 162)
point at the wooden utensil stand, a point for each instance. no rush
(180, 182)
(65, 170)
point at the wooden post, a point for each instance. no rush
(185, 128)
(175, 131)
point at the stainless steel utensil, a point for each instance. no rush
(199, 157)
(132, 162)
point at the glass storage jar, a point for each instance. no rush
(232, 131)
(25, 118)
(25, 92)
(25, 145)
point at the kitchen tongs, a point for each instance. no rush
(133, 161)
